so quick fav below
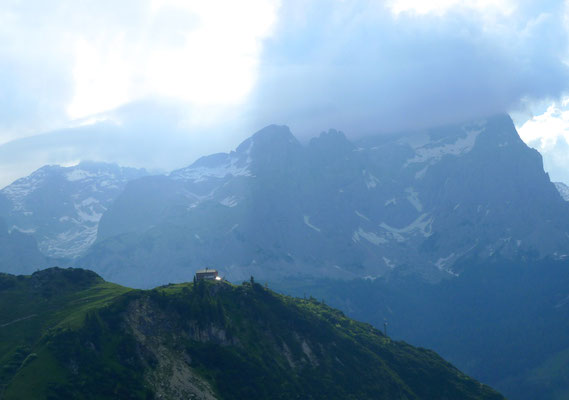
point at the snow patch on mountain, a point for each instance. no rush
(370, 180)
(432, 152)
(18, 191)
(235, 226)
(230, 201)
(421, 173)
(422, 225)
(443, 264)
(307, 222)
(369, 236)
(232, 166)
(563, 190)
(388, 263)
(22, 230)
(89, 210)
(78, 196)
(361, 215)
(79, 230)
(413, 198)
(78, 174)
(71, 242)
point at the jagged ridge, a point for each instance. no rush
(412, 204)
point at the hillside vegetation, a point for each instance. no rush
(69, 334)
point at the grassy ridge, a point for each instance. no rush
(35, 308)
(91, 339)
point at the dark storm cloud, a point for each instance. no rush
(357, 67)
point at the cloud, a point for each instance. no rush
(549, 134)
(157, 135)
(158, 83)
(441, 7)
(65, 60)
(364, 68)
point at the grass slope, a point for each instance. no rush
(33, 310)
(71, 335)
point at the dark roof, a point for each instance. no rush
(207, 271)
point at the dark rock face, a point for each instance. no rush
(410, 204)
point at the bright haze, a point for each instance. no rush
(158, 83)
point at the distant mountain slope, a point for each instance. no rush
(61, 206)
(504, 322)
(410, 204)
(68, 334)
(563, 190)
(19, 252)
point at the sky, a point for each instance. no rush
(158, 83)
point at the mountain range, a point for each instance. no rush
(62, 206)
(455, 235)
(410, 204)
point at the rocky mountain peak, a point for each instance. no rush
(272, 138)
(342, 210)
(331, 142)
(274, 135)
(498, 131)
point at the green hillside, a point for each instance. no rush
(33, 311)
(69, 334)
